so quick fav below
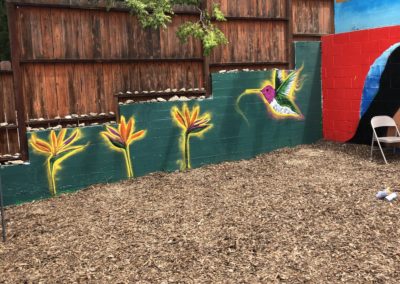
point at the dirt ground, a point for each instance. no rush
(301, 215)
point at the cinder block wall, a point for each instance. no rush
(346, 61)
(230, 138)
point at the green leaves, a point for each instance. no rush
(152, 13)
(159, 13)
(213, 37)
(210, 36)
(217, 13)
(204, 30)
(190, 29)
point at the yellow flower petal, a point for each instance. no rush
(61, 136)
(137, 136)
(129, 129)
(122, 127)
(40, 145)
(53, 142)
(195, 113)
(187, 115)
(179, 118)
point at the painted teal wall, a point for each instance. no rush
(229, 139)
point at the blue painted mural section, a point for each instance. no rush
(352, 15)
(371, 85)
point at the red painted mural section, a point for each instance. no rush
(346, 59)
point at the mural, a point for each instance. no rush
(380, 95)
(106, 152)
(371, 85)
(191, 124)
(120, 140)
(359, 82)
(352, 15)
(57, 150)
(278, 94)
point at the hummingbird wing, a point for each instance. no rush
(288, 85)
(286, 102)
(284, 91)
(278, 78)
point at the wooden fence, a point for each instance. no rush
(71, 57)
(9, 145)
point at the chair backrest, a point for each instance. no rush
(383, 121)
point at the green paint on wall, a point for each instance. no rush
(230, 138)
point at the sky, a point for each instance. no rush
(351, 15)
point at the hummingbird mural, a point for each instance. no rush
(278, 94)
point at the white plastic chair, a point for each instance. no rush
(383, 121)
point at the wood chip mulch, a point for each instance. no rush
(301, 215)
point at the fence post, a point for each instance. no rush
(3, 221)
(206, 61)
(15, 62)
(289, 34)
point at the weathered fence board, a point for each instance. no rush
(8, 131)
(312, 17)
(257, 41)
(7, 107)
(252, 8)
(50, 33)
(52, 90)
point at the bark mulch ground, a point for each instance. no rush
(301, 215)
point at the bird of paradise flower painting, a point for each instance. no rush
(278, 94)
(192, 124)
(120, 139)
(57, 150)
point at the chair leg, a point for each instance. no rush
(372, 147)
(383, 155)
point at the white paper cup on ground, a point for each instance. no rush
(391, 197)
(382, 194)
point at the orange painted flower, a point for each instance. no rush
(57, 150)
(120, 139)
(123, 136)
(58, 144)
(192, 124)
(190, 121)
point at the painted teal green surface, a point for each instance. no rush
(229, 139)
(95, 164)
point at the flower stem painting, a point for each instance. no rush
(278, 94)
(120, 139)
(57, 150)
(191, 124)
